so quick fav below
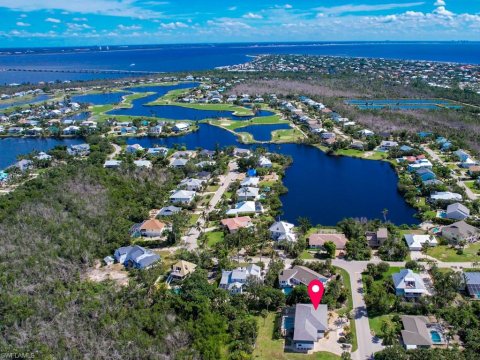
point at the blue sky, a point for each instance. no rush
(100, 22)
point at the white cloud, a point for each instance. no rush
(53, 20)
(131, 27)
(364, 8)
(78, 27)
(80, 19)
(123, 8)
(442, 11)
(23, 16)
(439, 3)
(232, 8)
(286, 6)
(174, 25)
(21, 23)
(251, 15)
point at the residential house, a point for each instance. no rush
(250, 182)
(192, 184)
(310, 325)
(366, 133)
(461, 231)
(235, 280)
(151, 228)
(162, 151)
(418, 332)
(425, 174)
(474, 171)
(248, 194)
(71, 130)
(24, 165)
(246, 207)
(169, 210)
(283, 231)
(112, 164)
(299, 275)
(416, 241)
(182, 197)
(386, 145)
(155, 130)
(179, 162)
(264, 162)
(79, 150)
(132, 149)
(241, 152)
(377, 238)
(181, 126)
(233, 224)
(457, 211)
(408, 284)
(136, 257)
(143, 163)
(181, 270)
(445, 196)
(472, 284)
(318, 240)
(461, 155)
(419, 164)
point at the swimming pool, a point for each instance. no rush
(435, 335)
(288, 323)
(287, 290)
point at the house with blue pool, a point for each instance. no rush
(472, 284)
(421, 333)
(298, 275)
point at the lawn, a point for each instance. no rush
(471, 185)
(193, 219)
(213, 188)
(214, 237)
(376, 323)
(236, 124)
(371, 155)
(288, 135)
(268, 348)
(447, 254)
(348, 285)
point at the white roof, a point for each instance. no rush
(183, 194)
(416, 241)
(282, 227)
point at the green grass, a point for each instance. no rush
(236, 124)
(370, 155)
(214, 237)
(448, 254)
(213, 188)
(348, 285)
(376, 323)
(472, 186)
(287, 135)
(246, 138)
(193, 219)
(306, 255)
(268, 348)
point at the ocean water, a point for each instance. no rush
(168, 58)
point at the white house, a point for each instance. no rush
(143, 163)
(445, 196)
(310, 325)
(132, 149)
(366, 132)
(112, 164)
(181, 126)
(247, 194)
(182, 197)
(264, 162)
(457, 211)
(282, 230)
(155, 130)
(234, 280)
(179, 162)
(246, 207)
(192, 184)
(250, 182)
(408, 284)
(415, 241)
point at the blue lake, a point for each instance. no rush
(174, 112)
(79, 116)
(324, 188)
(20, 102)
(262, 132)
(100, 99)
(10, 148)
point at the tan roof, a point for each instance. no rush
(320, 239)
(236, 222)
(183, 268)
(152, 224)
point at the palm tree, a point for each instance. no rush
(385, 213)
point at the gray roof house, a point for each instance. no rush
(169, 210)
(472, 282)
(282, 230)
(457, 211)
(182, 197)
(460, 231)
(192, 184)
(408, 284)
(419, 333)
(310, 325)
(136, 257)
(234, 280)
(299, 275)
(24, 165)
(247, 194)
(179, 162)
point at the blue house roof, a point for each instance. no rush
(405, 148)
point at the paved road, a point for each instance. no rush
(191, 238)
(116, 151)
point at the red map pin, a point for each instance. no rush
(315, 291)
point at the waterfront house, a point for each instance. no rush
(136, 257)
(235, 280)
(377, 238)
(162, 151)
(408, 284)
(460, 231)
(132, 149)
(181, 270)
(310, 325)
(299, 275)
(445, 196)
(178, 162)
(181, 126)
(264, 162)
(461, 155)
(192, 184)
(233, 224)
(416, 241)
(457, 211)
(184, 154)
(247, 194)
(182, 197)
(112, 164)
(250, 182)
(282, 231)
(472, 284)
(241, 152)
(169, 210)
(24, 165)
(425, 174)
(246, 207)
(71, 130)
(42, 156)
(420, 164)
(318, 240)
(418, 332)
(151, 228)
(386, 145)
(79, 150)
(155, 130)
